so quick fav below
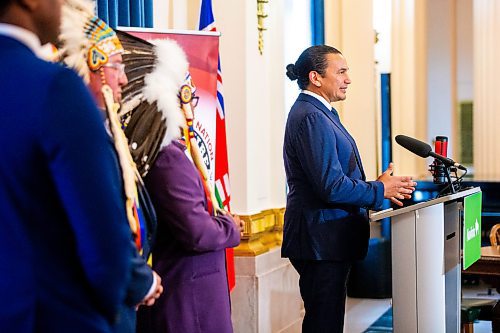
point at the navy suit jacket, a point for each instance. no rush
(326, 216)
(65, 246)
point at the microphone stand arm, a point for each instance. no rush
(450, 182)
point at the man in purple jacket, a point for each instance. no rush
(193, 233)
(189, 252)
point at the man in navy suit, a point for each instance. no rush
(92, 48)
(65, 247)
(145, 285)
(326, 223)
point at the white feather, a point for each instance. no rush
(130, 105)
(75, 16)
(163, 84)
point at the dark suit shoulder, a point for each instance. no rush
(24, 70)
(22, 59)
(306, 104)
(303, 116)
(305, 107)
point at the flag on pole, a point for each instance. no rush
(222, 188)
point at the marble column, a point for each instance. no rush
(409, 80)
(266, 297)
(486, 115)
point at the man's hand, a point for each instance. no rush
(396, 187)
(239, 223)
(151, 298)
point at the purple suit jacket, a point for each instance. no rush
(189, 253)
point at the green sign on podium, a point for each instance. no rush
(472, 229)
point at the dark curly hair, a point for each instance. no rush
(312, 59)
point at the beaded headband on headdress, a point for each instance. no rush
(87, 42)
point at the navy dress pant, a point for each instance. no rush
(323, 290)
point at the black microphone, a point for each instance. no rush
(420, 148)
(424, 150)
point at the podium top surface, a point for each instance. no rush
(375, 216)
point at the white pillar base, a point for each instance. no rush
(266, 298)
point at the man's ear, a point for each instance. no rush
(315, 78)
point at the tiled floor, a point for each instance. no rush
(361, 313)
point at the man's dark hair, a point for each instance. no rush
(312, 59)
(4, 4)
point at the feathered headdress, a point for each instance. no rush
(87, 42)
(151, 113)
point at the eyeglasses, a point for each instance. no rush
(120, 67)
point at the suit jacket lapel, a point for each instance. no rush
(354, 146)
(338, 124)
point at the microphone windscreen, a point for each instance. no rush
(420, 148)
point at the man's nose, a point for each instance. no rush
(123, 79)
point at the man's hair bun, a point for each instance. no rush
(290, 72)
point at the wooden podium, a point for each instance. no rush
(426, 266)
